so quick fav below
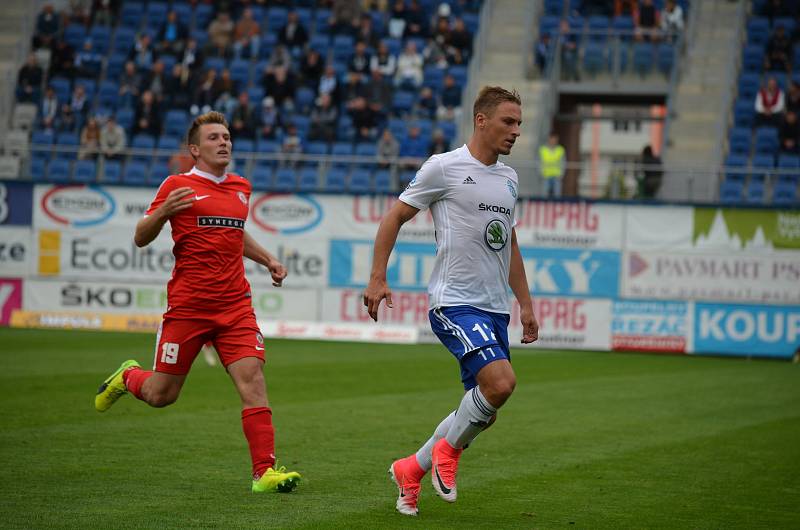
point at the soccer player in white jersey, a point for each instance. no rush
(471, 196)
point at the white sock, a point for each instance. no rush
(424, 452)
(471, 418)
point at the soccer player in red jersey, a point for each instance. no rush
(208, 296)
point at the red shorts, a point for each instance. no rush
(234, 333)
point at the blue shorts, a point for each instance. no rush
(475, 337)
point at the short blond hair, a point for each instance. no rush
(204, 119)
(490, 97)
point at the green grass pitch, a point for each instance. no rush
(588, 440)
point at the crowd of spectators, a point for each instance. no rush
(294, 90)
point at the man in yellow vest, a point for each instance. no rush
(551, 165)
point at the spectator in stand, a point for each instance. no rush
(205, 94)
(441, 29)
(90, 141)
(650, 180)
(793, 97)
(311, 68)
(416, 25)
(414, 146)
(129, 83)
(364, 119)
(192, 58)
(450, 108)
(552, 165)
(104, 12)
(280, 57)
(359, 62)
(329, 84)
(384, 62)
(292, 143)
(220, 35)
(379, 94)
(148, 119)
(427, 104)
(460, 40)
(172, 36)
(80, 104)
(280, 84)
(434, 54)
(344, 17)
(113, 139)
(409, 68)
(366, 32)
(293, 34)
(269, 119)
(397, 19)
(779, 52)
(142, 53)
(246, 36)
(67, 120)
(597, 7)
(62, 60)
(48, 109)
(323, 120)
(388, 149)
(88, 62)
(155, 81)
(672, 21)
(770, 104)
(29, 81)
(788, 133)
(541, 52)
(79, 12)
(439, 143)
(47, 27)
(626, 8)
(779, 8)
(243, 120)
(226, 84)
(647, 22)
(178, 88)
(354, 88)
(181, 162)
(569, 52)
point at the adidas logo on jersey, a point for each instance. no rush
(468, 180)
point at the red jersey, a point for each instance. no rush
(208, 276)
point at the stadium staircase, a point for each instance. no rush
(505, 33)
(14, 31)
(704, 94)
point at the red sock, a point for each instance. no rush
(134, 378)
(260, 434)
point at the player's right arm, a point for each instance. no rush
(378, 289)
(149, 226)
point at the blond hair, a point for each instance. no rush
(490, 97)
(204, 119)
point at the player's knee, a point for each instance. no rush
(500, 390)
(163, 397)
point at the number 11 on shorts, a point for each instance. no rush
(169, 353)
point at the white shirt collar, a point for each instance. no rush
(209, 176)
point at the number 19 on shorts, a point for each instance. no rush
(169, 353)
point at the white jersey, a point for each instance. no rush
(472, 205)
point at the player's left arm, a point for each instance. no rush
(519, 286)
(259, 254)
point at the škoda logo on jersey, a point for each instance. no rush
(220, 222)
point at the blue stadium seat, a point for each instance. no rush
(214, 63)
(108, 94)
(342, 47)
(276, 18)
(304, 99)
(144, 143)
(135, 173)
(784, 194)
(268, 146)
(360, 181)
(124, 39)
(115, 65)
(448, 128)
(749, 83)
(735, 167)
(335, 179)
(433, 78)
(366, 149)
(285, 180)
(665, 57)
(402, 102)
(593, 59)
(554, 7)
(598, 27)
(38, 168)
(320, 43)
(112, 171)
(395, 46)
(755, 192)
(125, 119)
(169, 144)
(74, 35)
(176, 122)
(202, 15)
(183, 11)
(85, 171)
(753, 58)
(68, 139)
(739, 140)
(744, 113)
(787, 23)
(766, 140)
(62, 87)
(89, 85)
(787, 161)
(309, 179)
(256, 94)
(131, 14)
(101, 39)
(200, 35)
(762, 167)
(42, 137)
(58, 170)
(342, 149)
(261, 177)
(158, 171)
(623, 26)
(731, 191)
(459, 74)
(240, 72)
(156, 13)
(643, 58)
(758, 30)
(316, 148)
(383, 181)
(321, 17)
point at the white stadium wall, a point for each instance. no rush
(674, 279)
